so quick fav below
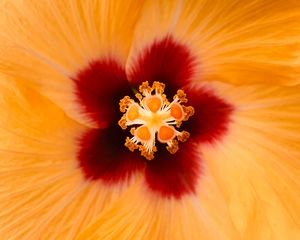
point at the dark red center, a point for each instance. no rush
(102, 155)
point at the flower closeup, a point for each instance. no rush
(156, 116)
(108, 153)
(164, 120)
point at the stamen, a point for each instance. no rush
(159, 87)
(173, 147)
(183, 137)
(145, 88)
(139, 96)
(145, 153)
(181, 96)
(155, 116)
(130, 144)
(124, 103)
(189, 111)
(122, 122)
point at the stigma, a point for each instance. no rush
(154, 118)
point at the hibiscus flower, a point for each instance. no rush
(149, 119)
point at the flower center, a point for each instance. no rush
(154, 117)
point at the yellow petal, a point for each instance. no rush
(256, 168)
(250, 183)
(42, 191)
(233, 41)
(45, 43)
(141, 215)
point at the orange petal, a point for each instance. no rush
(41, 183)
(233, 41)
(45, 44)
(149, 217)
(256, 167)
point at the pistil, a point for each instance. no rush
(153, 118)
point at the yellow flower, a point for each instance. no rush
(93, 146)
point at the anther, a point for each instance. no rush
(130, 145)
(183, 137)
(173, 147)
(122, 122)
(155, 117)
(181, 96)
(145, 88)
(124, 103)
